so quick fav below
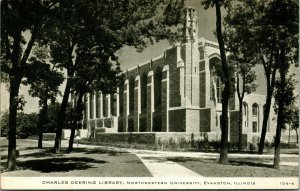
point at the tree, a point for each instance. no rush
(284, 99)
(102, 77)
(112, 24)
(44, 82)
(18, 17)
(242, 57)
(283, 17)
(293, 122)
(225, 78)
(262, 37)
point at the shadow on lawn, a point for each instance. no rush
(188, 159)
(59, 164)
(250, 163)
(98, 151)
(213, 160)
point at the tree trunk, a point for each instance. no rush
(61, 117)
(226, 91)
(41, 123)
(240, 146)
(265, 124)
(270, 78)
(281, 106)
(277, 138)
(297, 134)
(71, 141)
(40, 142)
(79, 110)
(12, 123)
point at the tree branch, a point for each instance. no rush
(29, 46)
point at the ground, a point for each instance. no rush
(103, 161)
(82, 162)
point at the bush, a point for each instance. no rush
(289, 146)
(184, 144)
(26, 124)
(252, 147)
(268, 145)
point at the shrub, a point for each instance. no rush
(268, 145)
(184, 144)
(252, 147)
(289, 146)
(171, 144)
(193, 144)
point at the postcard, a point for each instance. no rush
(138, 94)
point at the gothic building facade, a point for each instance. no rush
(175, 94)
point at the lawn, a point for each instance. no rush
(237, 168)
(84, 162)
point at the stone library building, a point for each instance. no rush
(175, 95)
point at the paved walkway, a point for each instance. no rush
(158, 164)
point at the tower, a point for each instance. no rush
(191, 59)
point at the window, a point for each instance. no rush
(255, 109)
(245, 109)
(245, 112)
(104, 106)
(98, 105)
(254, 126)
(92, 102)
(219, 90)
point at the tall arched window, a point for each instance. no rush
(144, 92)
(254, 109)
(157, 100)
(92, 101)
(98, 104)
(131, 95)
(214, 64)
(245, 114)
(255, 117)
(219, 90)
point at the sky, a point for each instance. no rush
(129, 57)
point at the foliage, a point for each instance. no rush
(71, 117)
(242, 57)
(52, 114)
(26, 124)
(44, 81)
(293, 116)
(290, 113)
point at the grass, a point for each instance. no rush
(100, 162)
(237, 168)
(82, 162)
